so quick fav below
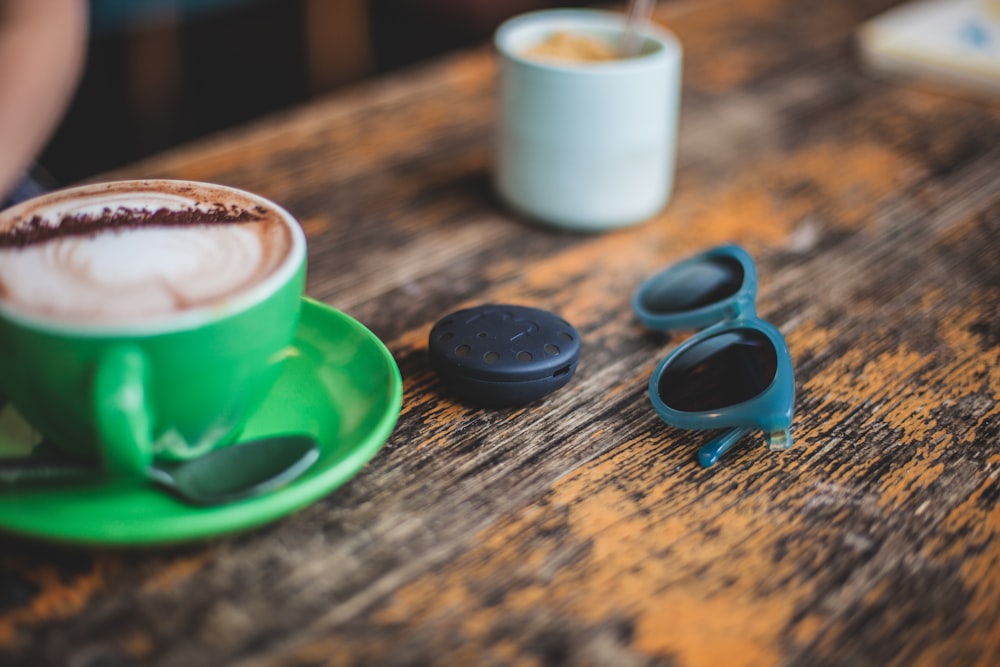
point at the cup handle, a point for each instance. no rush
(123, 418)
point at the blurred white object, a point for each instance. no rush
(945, 41)
(586, 146)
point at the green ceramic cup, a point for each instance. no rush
(138, 381)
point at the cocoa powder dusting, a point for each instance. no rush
(36, 230)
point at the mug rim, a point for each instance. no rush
(189, 318)
(669, 47)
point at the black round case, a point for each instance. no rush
(498, 354)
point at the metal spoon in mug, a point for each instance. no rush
(636, 16)
(224, 475)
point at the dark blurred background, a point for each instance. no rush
(162, 72)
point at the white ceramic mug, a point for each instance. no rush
(586, 145)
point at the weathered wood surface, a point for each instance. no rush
(580, 530)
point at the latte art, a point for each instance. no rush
(125, 274)
(119, 261)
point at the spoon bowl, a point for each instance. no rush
(239, 471)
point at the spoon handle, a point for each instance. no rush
(637, 14)
(14, 471)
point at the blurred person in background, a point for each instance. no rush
(160, 72)
(42, 52)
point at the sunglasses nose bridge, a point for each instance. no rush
(742, 307)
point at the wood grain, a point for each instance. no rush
(580, 530)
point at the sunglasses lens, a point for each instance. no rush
(693, 286)
(721, 371)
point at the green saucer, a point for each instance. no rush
(343, 387)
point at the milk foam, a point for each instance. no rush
(113, 276)
(123, 275)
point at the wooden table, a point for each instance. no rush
(580, 529)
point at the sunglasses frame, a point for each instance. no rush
(772, 409)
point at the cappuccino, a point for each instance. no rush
(118, 254)
(572, 47)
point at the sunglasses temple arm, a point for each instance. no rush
(713, 450)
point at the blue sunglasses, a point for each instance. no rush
(734, 375)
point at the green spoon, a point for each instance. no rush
(223, 475)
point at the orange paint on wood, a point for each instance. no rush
(56, 597)
(175, 573)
